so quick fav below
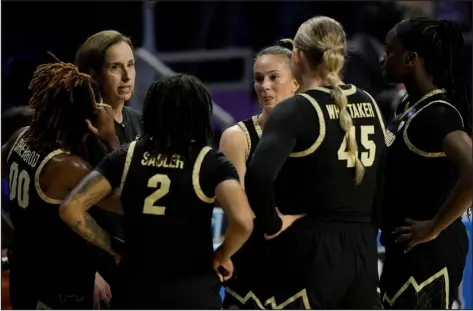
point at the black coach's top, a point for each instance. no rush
(127, 131)
(418, 175)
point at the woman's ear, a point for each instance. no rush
(295, 85)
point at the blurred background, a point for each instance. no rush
(216, 41)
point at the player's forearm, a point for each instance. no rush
(86, 226)
(457, 203)
(261, 197)
(236, 235)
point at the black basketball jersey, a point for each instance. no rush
(168, 203)
(45, 249)
(418, 176)
(318, 178)
(252, 129)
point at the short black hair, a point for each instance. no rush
(177, 113)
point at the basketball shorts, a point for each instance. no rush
(324, 266)
(247, 288)
(197, 292)
(27, 293)
(429, 275)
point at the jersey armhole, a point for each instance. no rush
(378, 112)
(248, 139)
(409, 143)
(126, 166)
(196, 176)
(322, 129)
(37, 175)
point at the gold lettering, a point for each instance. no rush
(355, 112)
(359, 107)
(370, 109)
(160, 160)
(152, 161)
(333, 111)
(144, 161)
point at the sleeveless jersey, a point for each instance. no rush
(319, 176)
(418, 177)
(253, 132)
(252, 256)
(168, 203)
(45, 250)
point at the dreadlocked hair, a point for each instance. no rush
(177, 114)
(62, 99)
(441, 45)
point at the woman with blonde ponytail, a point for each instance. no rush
(273, 83)
(320, 156)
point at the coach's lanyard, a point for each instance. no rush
(400, 120)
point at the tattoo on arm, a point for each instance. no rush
(74, 209)
(88, 228)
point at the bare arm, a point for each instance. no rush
(73, 211)
(238, 212)
(234, 146)
(458, 148)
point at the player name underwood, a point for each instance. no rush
(162, 161)
(30, 157)
(357, 110)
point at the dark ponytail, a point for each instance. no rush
(453, 77)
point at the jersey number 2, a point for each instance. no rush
(19, 185)
(367, 157)
(164, 184)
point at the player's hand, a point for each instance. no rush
(287, 221)
(105, 127)
(222, 266)
(102, 292)
(416, 232)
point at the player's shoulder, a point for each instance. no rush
(440, 108)
(233, 135)
(66, 162)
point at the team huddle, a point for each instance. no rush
(99, 194)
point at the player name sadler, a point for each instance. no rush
(356, 110)
(162, 161)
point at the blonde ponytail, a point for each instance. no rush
(334, 62)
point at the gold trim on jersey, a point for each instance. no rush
(347, 92)
(407, 109)
(300, 295)
(418, 287)
(378, 112)
(248, 138)
(322, 130)
(196, 176)
(244, 300)
(42, 306)
(16, 141)
(411, 146)
(257, 126)
(37, 174)
(126, 167)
